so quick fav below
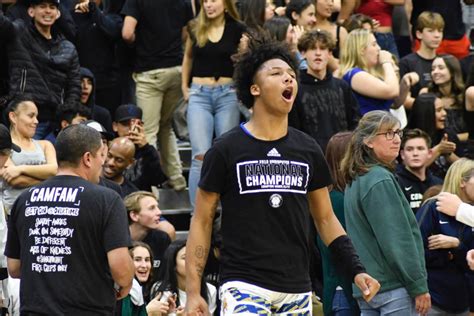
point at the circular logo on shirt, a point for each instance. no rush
(276, 200)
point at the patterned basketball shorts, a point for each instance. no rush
(240, 298)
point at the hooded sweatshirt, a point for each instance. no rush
(99, 113)
(413, 188)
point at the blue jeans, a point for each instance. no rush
(387, 42)
(211, 109)
(340, 304)
(394, 303)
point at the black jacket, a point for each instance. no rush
(99, 113)
(146, 171)
(48, 70)
(96, 38)
(324, 108)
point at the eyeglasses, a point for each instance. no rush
(389, 135)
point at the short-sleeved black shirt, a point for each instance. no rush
(158, 33)
(61, 230)
(263, 187)
(415, 63)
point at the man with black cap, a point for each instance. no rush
(42, 62)
(146, 171)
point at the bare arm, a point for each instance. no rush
(371, 86)
(347, 7)
(324, 219)
(186, 68)
(14, 267)
(128, 30)
(122, 269)
(395, 2)
(197, 248)
(470, 99)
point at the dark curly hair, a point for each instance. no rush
(260, 49)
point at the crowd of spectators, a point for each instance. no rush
(123, 67)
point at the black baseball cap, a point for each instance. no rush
(6, 139)
(127, 112)
(36, 2)
(98, 127)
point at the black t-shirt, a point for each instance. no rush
(415, 63)
(61, 230)
(127, 187)
(214, 59)
(158, 32)
(263, 187)
(451, 11)
(158, 241)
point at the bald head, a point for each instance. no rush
(121, 155)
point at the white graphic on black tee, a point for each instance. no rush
(50, 234)
(276, 200)
(273, 153)
(272, 175)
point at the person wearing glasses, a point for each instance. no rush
(380, 222)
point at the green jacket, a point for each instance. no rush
(385, 233)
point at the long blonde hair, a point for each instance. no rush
(461, 170)
(200, 25)
(351, 53)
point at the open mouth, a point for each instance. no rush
(288, 93)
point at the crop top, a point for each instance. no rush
(378, 10)
(214, 59)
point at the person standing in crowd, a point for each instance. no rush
(382, 12)
(429, 31)
(301, 13)
(37, 160)
(361, 59)
(68, 238)
(146, 170)
(324, 105)
(41, 62)
(213, 106)
(429, 115)
(259, 171)
(448, 85)
(155, 28)
(88, 98)
(337, 292)
(413, 174)
(6, 149)
(446, 243)
(324, 10)
(98, 32)
(455, 41)
(373, 199)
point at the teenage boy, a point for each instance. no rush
(429, 30)
(413, 175)
(41, 62)
(266, 176)
(67, 115)
(324, 105)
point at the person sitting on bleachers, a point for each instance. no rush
(145, 171)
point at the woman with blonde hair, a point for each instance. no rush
(373, 201)
(212, 101)
(369, 71)
(446, 242)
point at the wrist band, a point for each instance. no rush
(345, 257)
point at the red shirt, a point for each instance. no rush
(377, 9)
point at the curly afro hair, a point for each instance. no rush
(260, 49)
